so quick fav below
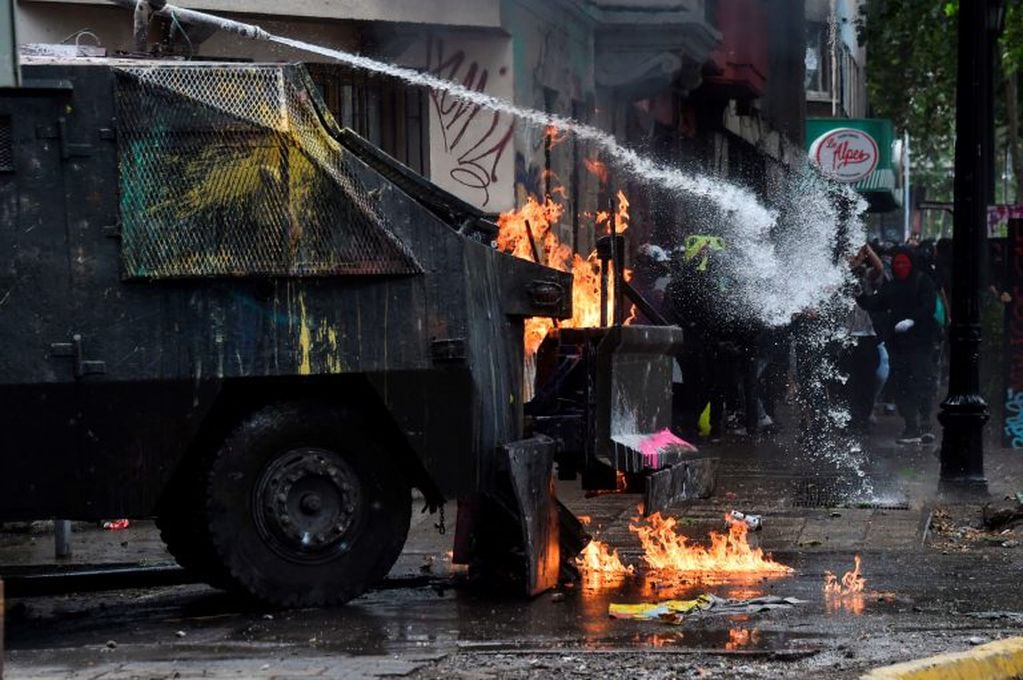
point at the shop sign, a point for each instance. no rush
(845, 154)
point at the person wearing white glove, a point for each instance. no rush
(904, 325)
(908, 302)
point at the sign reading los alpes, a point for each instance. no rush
(845, 154)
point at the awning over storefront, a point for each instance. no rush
(861, 152)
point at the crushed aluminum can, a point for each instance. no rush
(754, 522)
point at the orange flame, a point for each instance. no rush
(849, 593)
(533, 225)
(551, 137)
(852, 581)
(598, 557)
(622, 214)
(597, 168)
(601, 565)
(665, 549)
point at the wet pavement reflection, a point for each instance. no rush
(443, 615)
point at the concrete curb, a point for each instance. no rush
(999, 660)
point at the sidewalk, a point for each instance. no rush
(800, 500)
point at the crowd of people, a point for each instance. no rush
(880, 355)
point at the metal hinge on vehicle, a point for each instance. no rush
(74, 350)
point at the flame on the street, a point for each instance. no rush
(598, 562)
(852, 581)
(846, 594)
(534, 226)
(666, 549)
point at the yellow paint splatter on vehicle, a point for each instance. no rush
(327, 337)
(305, 340)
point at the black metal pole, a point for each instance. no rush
(964, 411)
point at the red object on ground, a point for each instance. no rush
(116, 524)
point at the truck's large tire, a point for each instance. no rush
(184, 528)
(304, 509)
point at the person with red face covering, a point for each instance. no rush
(908, 301)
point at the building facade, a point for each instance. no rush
(711, 85)
(836, 84)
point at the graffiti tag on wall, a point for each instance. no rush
(477, 149)
(1014, 419)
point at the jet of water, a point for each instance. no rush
(727, 196)
(780, 266)
(772, 283)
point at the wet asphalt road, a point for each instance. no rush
(435, 627)
(427, 622)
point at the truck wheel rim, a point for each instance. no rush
(307, 502)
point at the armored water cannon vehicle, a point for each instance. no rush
(221, 310)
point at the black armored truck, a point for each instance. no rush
(221, 310)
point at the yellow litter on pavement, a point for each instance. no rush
(669, 611)
(673, 611)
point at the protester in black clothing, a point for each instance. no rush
(718, 359)
(773, 347)
(689, 302)
(858, 358)
(909, 300)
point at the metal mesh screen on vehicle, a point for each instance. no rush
(229, 170)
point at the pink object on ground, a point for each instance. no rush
(653, 444)
(115, 524)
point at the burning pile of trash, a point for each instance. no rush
(668, 551)
(669, 555)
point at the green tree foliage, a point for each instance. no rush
(1012, 38)
(911, 77)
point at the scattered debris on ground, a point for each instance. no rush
(675, 611)
(965, 528)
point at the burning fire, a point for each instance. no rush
(598, 169)
(621, 214)
(529, 233)
(667, 552)
(665, 549)
(848, 593)
(598, 559)
(551, 137)
(852, 582)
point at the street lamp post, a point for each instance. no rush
(964, 411)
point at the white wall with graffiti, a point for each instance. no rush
(472, 150)
(542, 59)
